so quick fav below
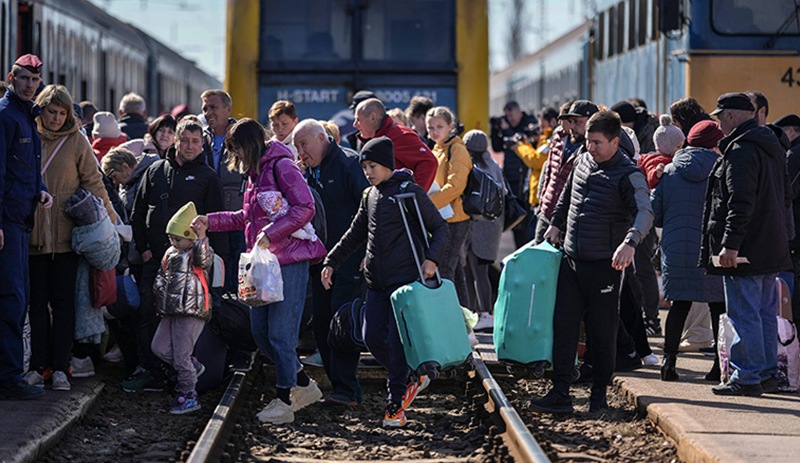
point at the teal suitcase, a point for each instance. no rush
(526, 299)
(429, 317)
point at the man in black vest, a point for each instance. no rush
(605, 212)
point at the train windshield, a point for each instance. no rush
(332, 33)
(764, 17)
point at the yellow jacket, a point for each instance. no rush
(452, 177)
(75, 165)
(535, 158)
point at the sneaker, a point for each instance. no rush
(143, 380)
(554, 402)
(276, 412)
(650, 360)
(485, 322)
(770, 385)
(333, 401)
(305, 396)
(734, 388)
(20, 391)
(242, 360)
(60, 381)
(185, 403)
(395, 416)
(33, 378)
(48, 373)
(82, 368)
(199, 368)
(652, 326)
(114, 355)
(313, 360)
(413, 390)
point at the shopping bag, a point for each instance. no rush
(260, 280)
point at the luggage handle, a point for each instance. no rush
(398, 198)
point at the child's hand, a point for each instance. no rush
(200, 223)
(327, 276)
(659, 170)
(199, 230)
(428, 269)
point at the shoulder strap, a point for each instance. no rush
(55, 151)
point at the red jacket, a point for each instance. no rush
(557, 171)
(649, 163)
(278, 173)
(410, 152)
(101, 146)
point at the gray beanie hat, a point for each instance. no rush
(476, 141)
(667, 137)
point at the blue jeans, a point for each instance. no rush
(752, 303)
(277, 326)
(383, 341)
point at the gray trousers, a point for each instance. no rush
(174, 343)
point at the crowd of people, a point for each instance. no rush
(186, 196)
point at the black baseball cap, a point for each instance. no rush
(736, 100)
(361, 95)
(789, 120)
(580, 108)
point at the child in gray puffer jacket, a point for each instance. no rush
(183, 300)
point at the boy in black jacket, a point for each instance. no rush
(388, 265)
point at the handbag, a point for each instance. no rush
(483, 197)
(514, 209)
(128, 298)
(103, 287)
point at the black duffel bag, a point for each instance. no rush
(346, 329)
(231, 322)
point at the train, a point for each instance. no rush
(661, 51)
(97, 56)
(319, 53)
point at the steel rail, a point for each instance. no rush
(211, 444)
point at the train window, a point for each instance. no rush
(302, 30)
(642, 30)
(766, 17)
(654, 20)
(417, 31)
(600, 38)
(632, 24)
(612, 31)
(621, 27)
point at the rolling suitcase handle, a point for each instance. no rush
(399, 198)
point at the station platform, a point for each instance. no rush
(28, 429)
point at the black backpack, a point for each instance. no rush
(346, 327)
(483, 196)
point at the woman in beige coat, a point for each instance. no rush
(68, 163)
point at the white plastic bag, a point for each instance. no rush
(260, 280)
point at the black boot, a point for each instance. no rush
(668, 372)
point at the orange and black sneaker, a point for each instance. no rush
(395, 416)
(414, 388)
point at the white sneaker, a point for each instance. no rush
(473, 340)
(114, 355)
(485, 322)
(313, 360)
(650, 360)
(276, 412)
(82, 368)
(60, 381)
(305, 396)
(34, 378)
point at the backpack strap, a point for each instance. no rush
(53, 155)
(201, 275)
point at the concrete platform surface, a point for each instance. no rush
(28, 429)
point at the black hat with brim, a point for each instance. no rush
(734, 100)
(789, 120)
(580, 108)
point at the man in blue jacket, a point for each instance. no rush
(340, 182)
(22, 191)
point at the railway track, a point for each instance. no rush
(467, 418)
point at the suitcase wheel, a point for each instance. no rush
(432, 369)
(539, 368)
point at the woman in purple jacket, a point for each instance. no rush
(269, 166)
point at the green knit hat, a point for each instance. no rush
(180, 223)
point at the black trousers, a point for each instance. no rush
(676, 318)
(587, 290)
(52, 309)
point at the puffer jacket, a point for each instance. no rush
(74, 166)
(452, 176)
(20, 163)
(746, 203)
(678, 209)
(559, 165)
(602, 206)
(277, 172)
(181, 286)
(534, 159)
(410, 152)
(649, 163)
(101, 146)
(390, 262)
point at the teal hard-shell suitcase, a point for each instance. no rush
(428, 316)
(526, 299)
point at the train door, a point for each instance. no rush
(29, 30)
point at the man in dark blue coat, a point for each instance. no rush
(22, 190)
(340, 182)
(745, 240)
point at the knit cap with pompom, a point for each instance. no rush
(667, 138)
